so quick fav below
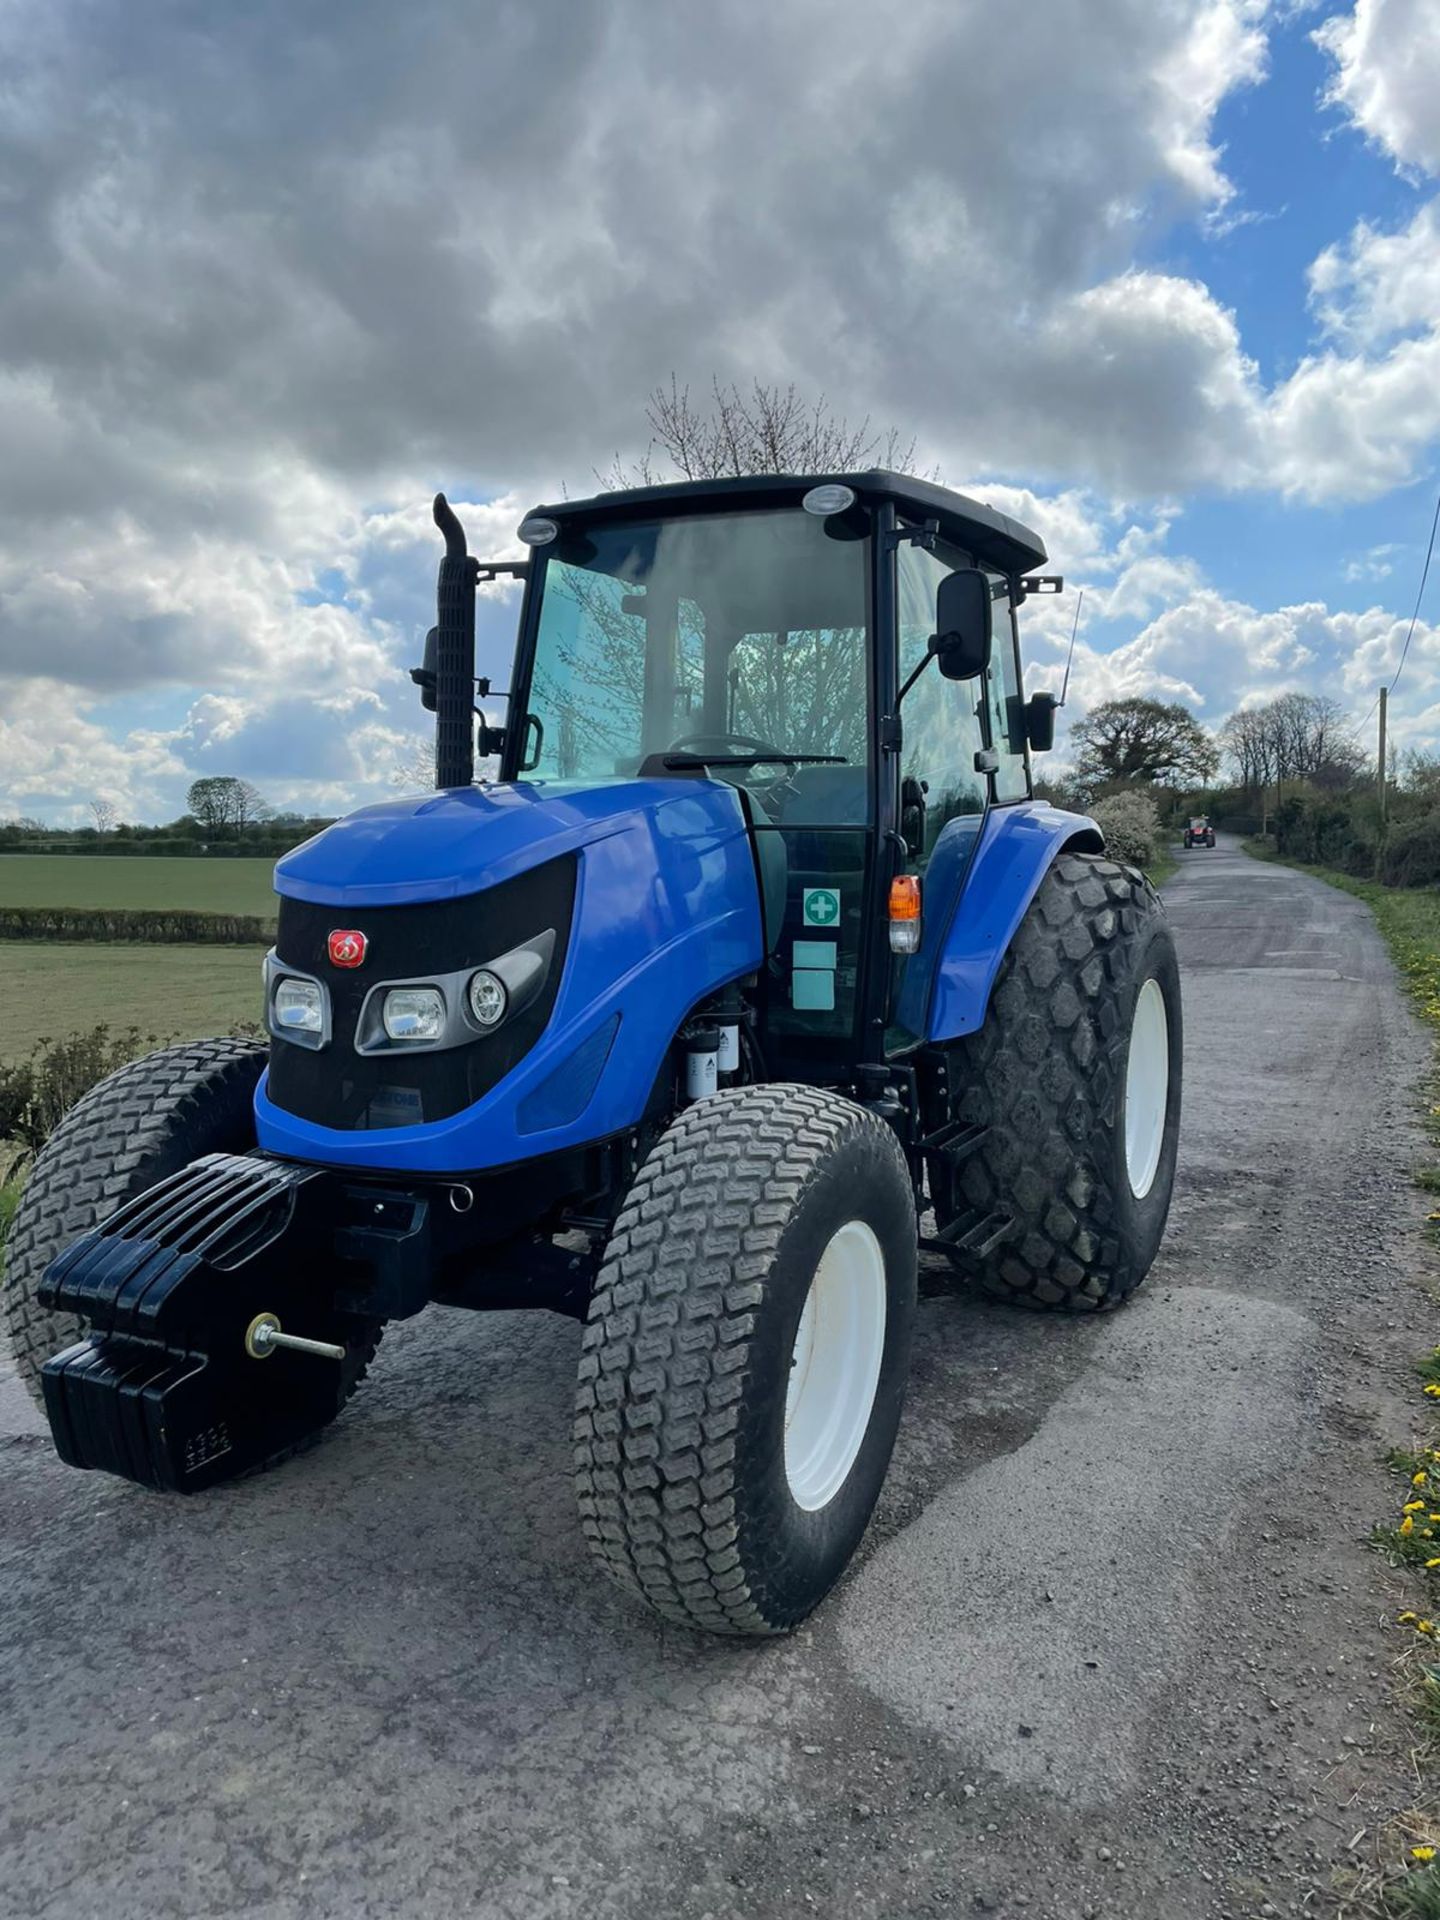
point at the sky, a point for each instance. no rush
(1160, 277)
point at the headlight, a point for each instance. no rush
(299, 1007)
(488, 999)
(413, 1013)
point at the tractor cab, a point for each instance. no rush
(843, 654)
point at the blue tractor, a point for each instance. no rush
(757, 970)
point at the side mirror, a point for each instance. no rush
(1040, 711)
(425, 676)
(961, 642)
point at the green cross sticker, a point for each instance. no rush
(822, 906)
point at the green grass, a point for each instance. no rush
(176, 993)
(1161, 867)
(102, 880)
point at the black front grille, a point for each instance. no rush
(336, 1087)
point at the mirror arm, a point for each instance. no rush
(923, 662)
(922, 536)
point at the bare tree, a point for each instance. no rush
(105, 813)
(413, 769)
(1296, 736)
(769, 430)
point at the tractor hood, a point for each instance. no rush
(440, 846)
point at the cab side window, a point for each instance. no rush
(940, 717)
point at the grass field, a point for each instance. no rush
(100, 880)
(176, 993)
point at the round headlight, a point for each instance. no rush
(488, 999)
(537, 531)
(819, 500)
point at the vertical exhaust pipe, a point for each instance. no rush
(454, 655)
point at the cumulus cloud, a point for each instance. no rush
(264, 285)
(1387, 76)
(1214, 654)
(53, 757)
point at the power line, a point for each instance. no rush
(1424, 576)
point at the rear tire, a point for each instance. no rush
(745, 1358)
(1076, 1074)
(141, 1124)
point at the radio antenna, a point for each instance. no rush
(1069, 658)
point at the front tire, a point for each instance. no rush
(1076, 1077)
(745, 1357)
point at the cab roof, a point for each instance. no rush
(991, 537)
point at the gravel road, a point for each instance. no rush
(1114, 1648)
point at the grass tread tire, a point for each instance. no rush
(686, 1299)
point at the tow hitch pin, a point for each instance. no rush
(263, 1336)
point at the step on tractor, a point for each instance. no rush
(756, 971)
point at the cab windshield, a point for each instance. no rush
(734, 637)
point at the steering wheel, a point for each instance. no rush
(722, 743)
(771, 791)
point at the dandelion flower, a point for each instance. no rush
(1433, 1391)
(1418, 1480)
(1422, 1853)
(1433, 1563)
(1407, 1525)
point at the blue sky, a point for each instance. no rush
(1170, 290)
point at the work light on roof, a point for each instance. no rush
(538, 532)
(828, 499)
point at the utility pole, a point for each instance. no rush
(1384, 694)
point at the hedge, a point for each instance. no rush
(163, 926)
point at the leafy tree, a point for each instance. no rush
(1143, 740)
(220, 801)
(207, 800)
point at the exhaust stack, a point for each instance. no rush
(454, 655)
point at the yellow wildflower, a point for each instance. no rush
(1407, 1525)
(1422, 1853)
(1419, 1479)
(1433, 1391)
(1433, 1563)
(1424, 1626)
(1404, 1618)
(1413, 1506)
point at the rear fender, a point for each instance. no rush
(1016, 848)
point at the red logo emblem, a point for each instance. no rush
(347, 947)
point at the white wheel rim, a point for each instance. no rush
(1147, 1085)
(835, 1366)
